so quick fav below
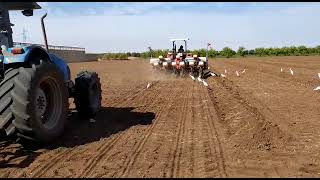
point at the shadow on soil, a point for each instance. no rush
(79, 131)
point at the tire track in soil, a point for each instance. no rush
(95, 161)
(309, 137)
(107, 148)
(255, 114)
(190, 147)
(159, 128)
(179, 144)
(154, 102)
(189, 163)
(132, 95)
(249, 105)
(67, 153)
(125, 95)
(209, 160)
(202, 162)
(213, 134)
(153, 146)
(230, 88)
(137, 150)
(40, 170)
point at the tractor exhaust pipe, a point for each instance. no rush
(44, 32)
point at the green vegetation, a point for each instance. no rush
(241, 51)
(225, 52)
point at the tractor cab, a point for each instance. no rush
(180, 52)
(7, 51)
(26, 9)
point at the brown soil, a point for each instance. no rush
(262, 124)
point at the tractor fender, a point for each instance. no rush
(61, 65)
(33, 54)
(42, 54)
(29, 54)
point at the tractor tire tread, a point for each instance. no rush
(24, 121)
(82, 83)
(6, 101)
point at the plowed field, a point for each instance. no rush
(263, 123)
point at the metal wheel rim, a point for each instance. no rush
(41, 102)
(51, 115)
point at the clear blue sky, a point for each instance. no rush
(128, 26)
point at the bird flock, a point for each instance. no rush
(291, 72)
(237, 73)
(205, 83)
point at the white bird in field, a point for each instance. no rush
(222, 75)
(243, 71)
(192, 77)
(199, 79)
(291, 71)
(213, 74)
(225, 71)
(281, 70)
(148, 85)
(204, 83)
(237, 73)
(319, 75)
(317, 88)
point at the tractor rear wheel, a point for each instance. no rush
(6, 116)
(40, 103)
(87, 96)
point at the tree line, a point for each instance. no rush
(225, 52)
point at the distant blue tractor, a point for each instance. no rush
(35, 86)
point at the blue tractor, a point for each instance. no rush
(35, 86)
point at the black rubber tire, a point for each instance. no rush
(87, 84)
(6, 87)
(28, 125)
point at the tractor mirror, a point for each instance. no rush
(28, 12)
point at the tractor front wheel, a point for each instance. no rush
(87, 96)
